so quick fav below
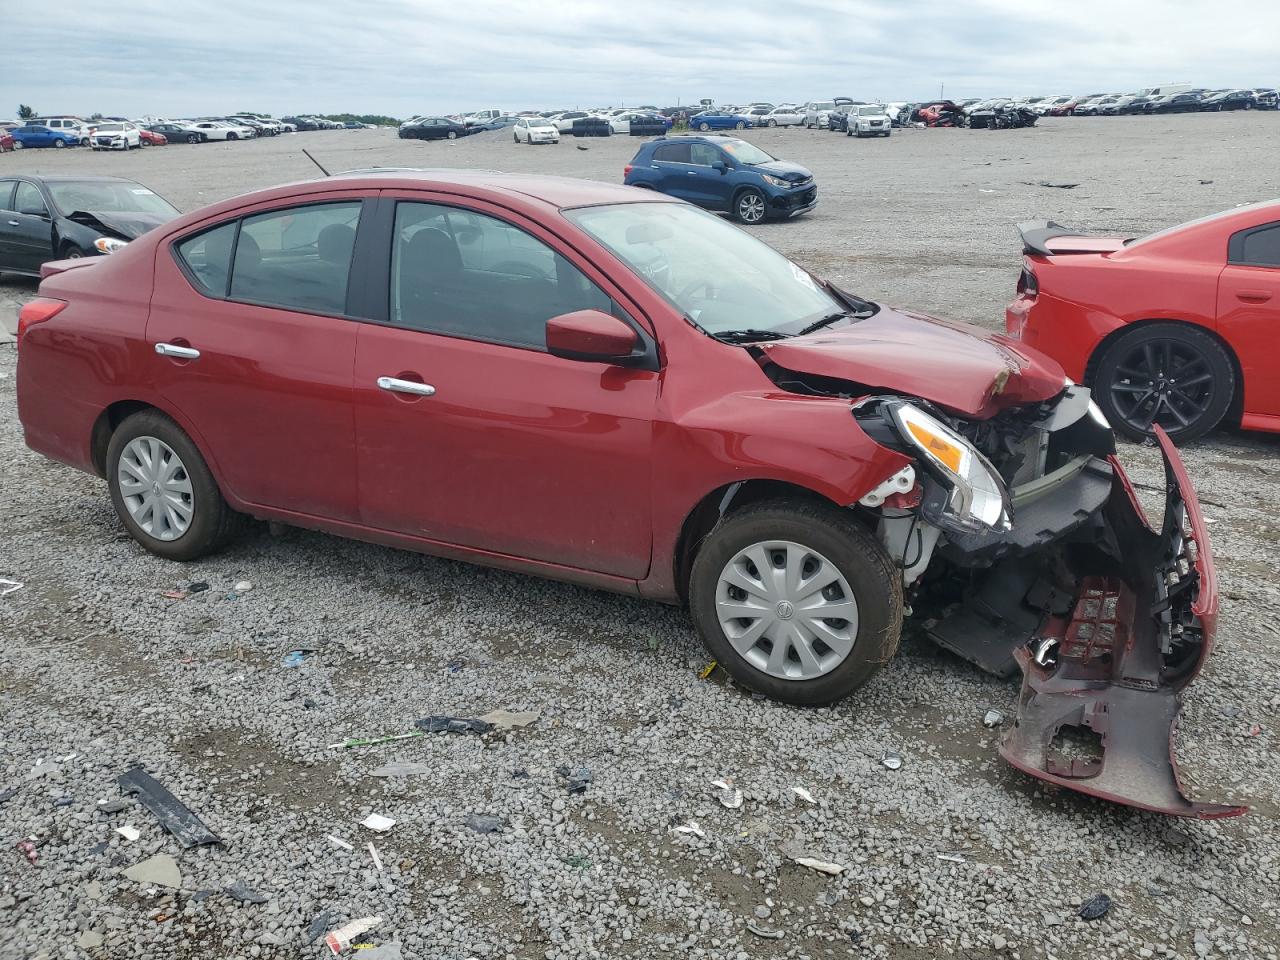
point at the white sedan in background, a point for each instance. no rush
(783, 115)
(113, 135)
(535, 130)
(219, 130)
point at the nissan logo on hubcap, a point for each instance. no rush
(784, 610)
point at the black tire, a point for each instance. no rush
(744, 209)
(835, 534)
(740, 125)
(453, 135)
(213, 522)
(193, 138)
(233, 136)
(773, 123)
(69, 251)
(59, 144)
(704, 126)
(1128, 392)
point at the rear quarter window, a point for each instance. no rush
(207, 258)
(1256, 247)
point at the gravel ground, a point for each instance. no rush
(99, 671)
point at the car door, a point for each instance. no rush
(708, 185)
(1249, 313)
(30, 228)
(468, 431)
(671, 170)
(254, 349)
(8, 221)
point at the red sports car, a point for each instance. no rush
(6, 141)
(603, 385)
(150, 138)
(1177, 329)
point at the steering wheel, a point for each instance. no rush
(698, 284)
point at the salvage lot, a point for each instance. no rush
(97, 663)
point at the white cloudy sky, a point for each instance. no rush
(401, 57)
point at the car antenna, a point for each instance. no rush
(316, 162)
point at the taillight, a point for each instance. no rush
(1028, 286)
(38, 311)
(626, 171)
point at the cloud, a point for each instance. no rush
(412, 56)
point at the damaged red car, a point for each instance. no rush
(603, 385)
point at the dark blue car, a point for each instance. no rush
(719, 120)
(725, 174)
(38, 135)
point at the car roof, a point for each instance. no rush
(67, 177)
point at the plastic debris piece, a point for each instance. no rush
(577, 860)
(484, 823)
(239, 891)
(952, 857)
(295, 658)
(391, 950)
(767, 934)
(130, 833)
(377, 860)
(506, 720)
(243, 586)
(1095, 907)
(1255, 730)
(318, 925)
(7, 794)
(403, 769)
(158, 871)
(992, 718)
(822, 866)
(708, 670)
(729, 795)
(340, 843)
(377, 823)
(374, 741)
(64, 801)
(338, 940)
(189, 830)
(28, 849)
(198, 587)
(577, 779)
(891, 759)
(9, 586)
(692, 828)
(453, 725)
(175, 594)
(803, 794)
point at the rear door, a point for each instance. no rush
(1249, 313)
(252, 316)
(8, 221)
(670, 166)
(30, 228)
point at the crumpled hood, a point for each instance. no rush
(128, 225)
(968, 370)
(784, 170)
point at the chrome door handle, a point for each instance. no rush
(693, 173)
(173, 350)
(406, 386)
(14, 223)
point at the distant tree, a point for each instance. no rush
(25, 112)
(95, 116)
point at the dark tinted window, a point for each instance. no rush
(297, 258)
(704, 154)
(672, 153)
(6, 194)
(1258, 247)
(27, 199)
(208, 258)
(468, 275)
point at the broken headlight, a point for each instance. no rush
(977, 494)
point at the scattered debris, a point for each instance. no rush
(243, 586)
(1205, 183)
(9, 586)
(28, 849)
(803, 794)
(391, 950)
(198, 587)
(581, 146)
(374, 741)
(1255, 730)
(403, 769)
(295, 658)
(577, 860)
(7, 794)
(158, 871)
(484, 822)
(377, 860)
(238, 891)
(729, 795)
(992, 718)
(506, 720)
(377, 823)
(453, 725)
(130, 833)
(892, 759)
(338, 940)
(189, 830)
(175, 594)
(1095, 907)
(1053, 186)
(340, 843)
(692, 828)
(952, 857)
(822, 866)
(577, 779)
(763, 912)
(318, 925)
(766, 934)
(64, 801)
(710, 668)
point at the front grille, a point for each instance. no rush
(801, 183)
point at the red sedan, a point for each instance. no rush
(1176, 329)
(603, 385)
(6, 141)
(150, 138)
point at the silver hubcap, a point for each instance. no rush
(751, 208)
(155, 488)
(787, 610)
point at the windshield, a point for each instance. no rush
(109, 127)
(115, 196)
(717, 275)
(871, 110)
(745, 152)
(825, 105)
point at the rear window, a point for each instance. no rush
(1259, 247)
(672, 153)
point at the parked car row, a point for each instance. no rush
(1175, 98)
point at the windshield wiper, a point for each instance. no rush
(748, 335)
(826, 321)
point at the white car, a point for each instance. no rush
(114, 135)
(564, 122)
(816, 113)
(868, 120)
(218, 130)
(535, 130)
(621, 122)
(783, 115)
(481, 116)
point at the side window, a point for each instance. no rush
(672, 153)
(1259, 247)
(297, 258)
(6, 194)
(27, 199)
(208, 258)
(704, 154)
(465, 274)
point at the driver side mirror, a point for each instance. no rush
(593, 336)
(720, 166)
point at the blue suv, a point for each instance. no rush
(725, 174)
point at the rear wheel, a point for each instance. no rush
(749, 206)
(59, 144)
(233, 136)
(704, 126)
(796, 600)
(163, 491)
(1169, 374)
(453, 134)
(740, 125)
(773, 123)
(193, 138)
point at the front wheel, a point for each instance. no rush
(59, 144)
(749, 207)
(233, 136)
(453, 134)
(193, 138)
(1170, 374)
(163, 491)
(796, 600)
(704, 126)
(740, 125)
(773, 123)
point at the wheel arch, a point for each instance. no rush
(1234, 411)
(118, 411)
